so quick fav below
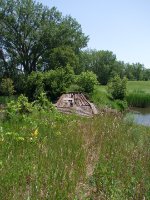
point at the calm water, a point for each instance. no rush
(141, 116)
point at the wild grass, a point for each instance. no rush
(123, 168)
(48, 155)
(42, 157)
(101, 98)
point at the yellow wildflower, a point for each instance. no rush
(35, 133)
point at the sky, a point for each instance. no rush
(120, 26)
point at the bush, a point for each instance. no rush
(117, 88)
(22, 106)
(7, 87)
(42, 103)
(57, 81)
(86, 81)
(73, 88)
(52, 83)
(35, 85)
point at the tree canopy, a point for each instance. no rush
(29, 33)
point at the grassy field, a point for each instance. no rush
(47, 155)
(138, 95)
(138, 85)
(131, 86)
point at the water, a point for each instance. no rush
(141, 116)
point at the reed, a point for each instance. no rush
(138, 98)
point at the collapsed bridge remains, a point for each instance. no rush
(76, 103)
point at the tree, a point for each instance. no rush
(100, 62)
(61, 57)
(29, 33)
(117, 88)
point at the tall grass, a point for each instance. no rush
(123, 168)
(41, 157)
(48, 155)
(138, 99)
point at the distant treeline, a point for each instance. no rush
(34, 38)
(106, 66)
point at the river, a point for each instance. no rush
(141, 116)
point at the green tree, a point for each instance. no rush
(117, 88)
(61, 57)
(100, 62)
(29, 33)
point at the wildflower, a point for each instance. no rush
(35, 133)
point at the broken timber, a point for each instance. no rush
(76, 103)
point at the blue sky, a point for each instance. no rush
(121, 26)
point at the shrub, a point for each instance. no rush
(57, 81)
(122, 105)
(73, 88)
(86, 81)
(53, 83)
(117, 88)
(42, 103)
(7, 87)
(22, 106)
(35, 85)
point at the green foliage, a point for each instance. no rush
(63, 56)
(31, 33)
(102, 63)
(101, 98)
(117, 88)
(7, 87)
(57, 81)
(21, 106)
(53, 82)
(74, 88)
(86, 81)
(35, 85)
(42, 103)
(122, 105)
(20, 82)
